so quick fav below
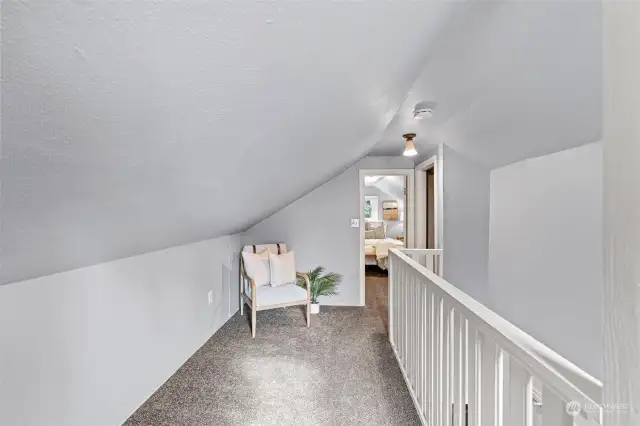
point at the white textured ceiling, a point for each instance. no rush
(512, 79)
(129, 126)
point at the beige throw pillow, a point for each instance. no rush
(283, 269)
(256, 265)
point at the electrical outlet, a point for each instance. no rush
(355, 223)
(210, 296)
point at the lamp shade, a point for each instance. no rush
(409, 149)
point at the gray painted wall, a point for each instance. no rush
(493, 64)
(545, 263)
(390, 188)
(465, 222)
(317, 227)
(132, 126)
(86, 347)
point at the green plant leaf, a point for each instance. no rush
(321, 285)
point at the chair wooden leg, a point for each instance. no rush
(308, 314)
(253, 323)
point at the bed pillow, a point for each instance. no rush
(378, 230)
(283, 269)
(256, 265)
(369, 235)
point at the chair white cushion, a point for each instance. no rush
(267, 295)
(256, 266)
(282, 268)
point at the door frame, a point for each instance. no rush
(421, 202)
(409, 214)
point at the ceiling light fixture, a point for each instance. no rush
(409, 146)
(423, 110)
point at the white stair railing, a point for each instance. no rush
(467, 366)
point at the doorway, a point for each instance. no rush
(386, 222)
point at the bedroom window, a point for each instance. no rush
(370, 207)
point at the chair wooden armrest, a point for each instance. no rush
(306, 280)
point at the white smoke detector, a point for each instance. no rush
(423, 110)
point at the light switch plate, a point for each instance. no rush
(355, 223)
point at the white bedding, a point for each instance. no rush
(380, 249)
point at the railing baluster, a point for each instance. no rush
(412, 331)
(554, 412)
(438, 342)
(431, 387)
(401, 313)
(473, 392)
(446, 363)
(421, 333)
(414, 328)
(414, 334)
(423, 346)
(404, 314)
(390, 299)
(503, 388)
(459, 368)
(519, 405)
(488, 380)
(421, 351)
(417, 346)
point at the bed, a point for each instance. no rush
(376, 249)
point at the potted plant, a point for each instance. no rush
(321, 285)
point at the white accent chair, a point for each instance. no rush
(266, 297)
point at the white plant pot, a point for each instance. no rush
(315, 308)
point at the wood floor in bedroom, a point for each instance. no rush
(376, 294)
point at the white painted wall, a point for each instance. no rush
(317, 227)
(545, 262)
(86, 347)
(390, 188)
(466, 222)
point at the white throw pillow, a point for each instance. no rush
(256, 265)
(379, 232)
(283, 269)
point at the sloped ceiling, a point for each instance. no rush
(130, 126)
(512, 80)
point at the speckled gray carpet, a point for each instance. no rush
(341, 371)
